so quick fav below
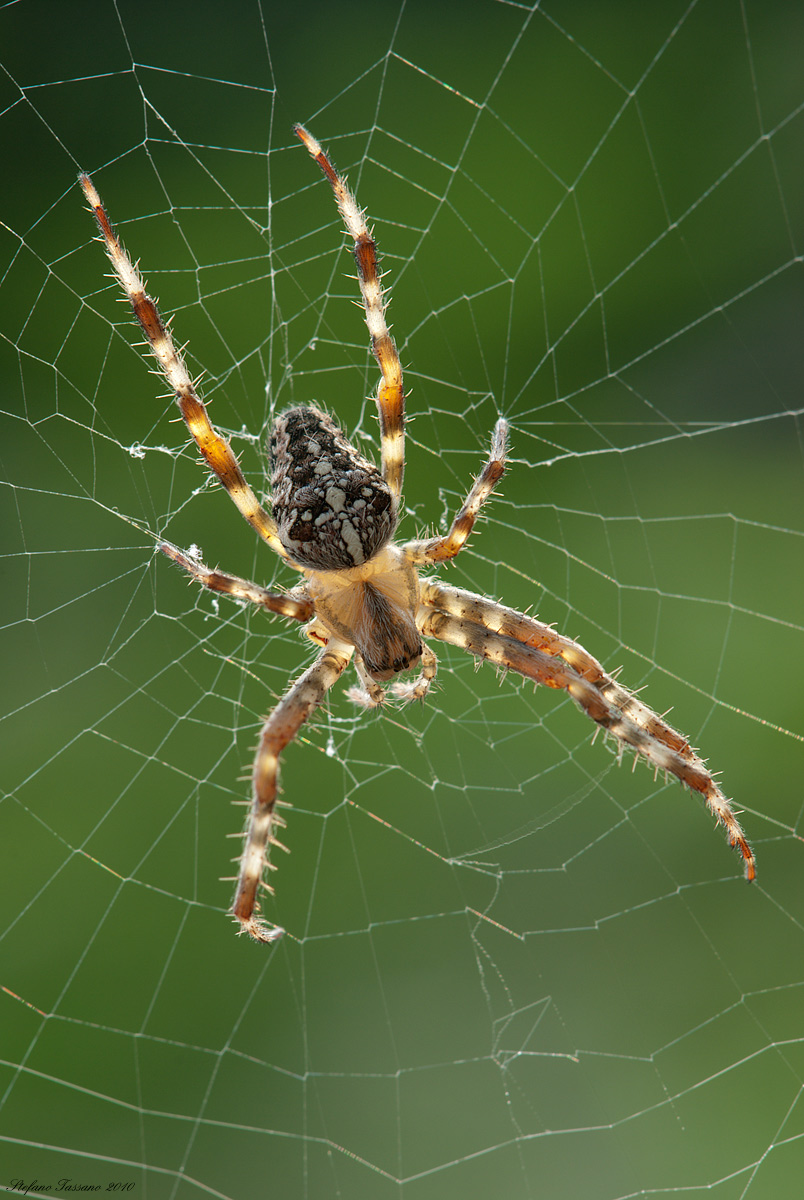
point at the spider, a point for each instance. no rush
(333, 519)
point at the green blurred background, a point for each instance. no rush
(513, 968)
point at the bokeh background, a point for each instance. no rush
(513, 967)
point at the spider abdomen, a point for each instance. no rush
(333, 509)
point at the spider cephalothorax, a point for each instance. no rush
(360, 596)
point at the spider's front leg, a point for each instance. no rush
(280, 728)
(520, 643)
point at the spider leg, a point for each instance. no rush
(214, 449)
(298, 608)
(437, 549)
(513, 640)
(280, 728)
(390, 394)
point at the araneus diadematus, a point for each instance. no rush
(333, 518)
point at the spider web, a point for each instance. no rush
(513, 967)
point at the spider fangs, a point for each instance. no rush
(360, 596)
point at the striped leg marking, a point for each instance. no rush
(215, 450)
(437, 549)
(390, 394)
(298, 609)
(281, 727)
(510, 639)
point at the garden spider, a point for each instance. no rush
(333, 516)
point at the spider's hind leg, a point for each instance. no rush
(390, 394)
(214, 449)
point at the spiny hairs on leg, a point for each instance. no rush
(440, 549)
(390, 396)
(215, 450)
(280, 728)
(511, 639)
(294, 607)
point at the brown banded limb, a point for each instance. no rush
(281, 727)
(438, 549)
(214, 449)
(297, 608)
(390, 394)
(520, 643)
